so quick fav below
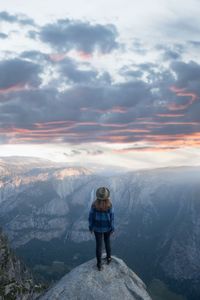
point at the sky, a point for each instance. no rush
(114, 83)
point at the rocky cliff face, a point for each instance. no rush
(115, 282)
(16, 283)
(37, 202)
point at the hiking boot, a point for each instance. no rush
(99, 266)
(108, 260)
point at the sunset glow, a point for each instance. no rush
(111, 86)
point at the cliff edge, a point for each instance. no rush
(115, 282)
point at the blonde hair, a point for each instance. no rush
(102, 204)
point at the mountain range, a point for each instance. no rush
(44, 210)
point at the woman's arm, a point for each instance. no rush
(112, 219)
(91, 218)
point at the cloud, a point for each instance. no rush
(194, 43)
(129, 72)
(16, 72)
(188, 74)
(122, 113)
(86, 112)
(34, 55)
(28, 114)
(50, 97)
(187, 88)
(171, 55)
(138, 47)
(179, 27)
(170, 52)
(3, 35)
(66, 34)
(69, 69)
(18, 18)
(75, 152)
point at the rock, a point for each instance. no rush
(115, 282)
(16, 282)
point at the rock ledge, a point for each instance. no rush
(115, 282)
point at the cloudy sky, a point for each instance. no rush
(101, 82)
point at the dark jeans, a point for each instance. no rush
(99, 242)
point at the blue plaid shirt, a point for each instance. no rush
(101, 221)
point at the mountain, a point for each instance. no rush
(44, 211)
(16, 282)
(38, 199)
(115, 282)
(14, 165)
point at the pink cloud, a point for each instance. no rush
(15, 88)
(56, 57)
(181, 92)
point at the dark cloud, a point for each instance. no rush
(147, 66)
(27, 107)
(188, 89)
(156, 102)
(104, 98)
(3, 35)
(171, 55)
(134, 72)
(126, 112)
(195, 43)
(82, 36)
(70, 70)
(18, 72)
(153, 102)
(84, 112)
(35, 55)
(32, 34)
(80, 114)
(173, 127)
(193, 114)
(188, 74)
(170, 52)
(18, 18)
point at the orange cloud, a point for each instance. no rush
(76, 124)
(170, 115)
(57, 57)
(165, 143)
(113, 139)
(14, 88)
(52, 123)
(114, 109)
(182, 93)
(159, 123)
(84, 55)
(112, 133)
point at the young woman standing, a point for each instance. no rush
(101, 222)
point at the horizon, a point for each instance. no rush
(114, 84)
(102, 169)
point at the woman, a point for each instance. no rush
(101, 222)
